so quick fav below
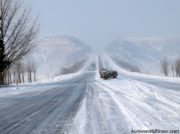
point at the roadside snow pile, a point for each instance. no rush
(67, 76)
(107, 62)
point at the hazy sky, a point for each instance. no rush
(98, 22)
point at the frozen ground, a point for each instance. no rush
(85, 104)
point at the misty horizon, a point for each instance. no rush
(99, 22)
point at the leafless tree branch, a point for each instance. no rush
(17, 32)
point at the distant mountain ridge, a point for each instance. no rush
(53, 53)
(144, 54)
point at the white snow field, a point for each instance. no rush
(144, 54)
(86, 104)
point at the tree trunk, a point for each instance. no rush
(34, 76)
(2, 78)
(22, 75)
(9, 77)
(19, 77)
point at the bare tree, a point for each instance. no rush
(29, 71)
(14, 72)
(14, 75)
(17, 33)
(23, 72)
(164, 67)
(18, 69)
(8, 76)
(173, 70)
(177, 66)
(34, 70)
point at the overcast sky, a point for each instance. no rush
(98, 22)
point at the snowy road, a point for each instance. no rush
(85, 104)
(49, 110)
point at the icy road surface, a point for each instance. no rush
(42, 109)
(85, 104)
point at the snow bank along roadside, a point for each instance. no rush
(109, 63)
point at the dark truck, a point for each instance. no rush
(107, 74)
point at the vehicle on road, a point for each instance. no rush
(107, 74)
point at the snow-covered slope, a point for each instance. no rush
(144, 54)
(53, 53)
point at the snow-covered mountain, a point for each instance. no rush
(53, 53)
(144, 54)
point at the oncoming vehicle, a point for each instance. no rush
(107, 74)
